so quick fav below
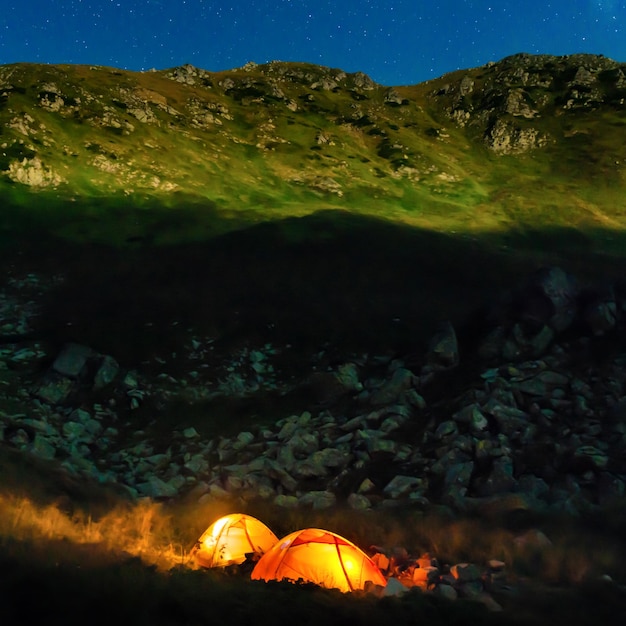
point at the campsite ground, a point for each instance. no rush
(102, 302)
(332, 282)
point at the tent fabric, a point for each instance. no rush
(227, 540)
(321, 557)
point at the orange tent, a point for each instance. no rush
(227, 540)
(320, 557)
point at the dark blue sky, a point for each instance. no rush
(395, 42)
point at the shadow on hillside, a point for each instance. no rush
(352, 282)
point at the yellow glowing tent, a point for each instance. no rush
(227, 540)
(320, 557)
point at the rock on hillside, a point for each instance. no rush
(505, 102)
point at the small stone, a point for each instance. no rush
(358, 502)
(318, 499)
(446, 429)
(446, 591)
(465, 572)
(287, 502)
(367, 486)
(394, 588)
(191, 433)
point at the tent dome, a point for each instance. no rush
(320, 557)
(227, 540)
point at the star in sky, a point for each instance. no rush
(395, 42)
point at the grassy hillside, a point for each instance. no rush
(98, 154)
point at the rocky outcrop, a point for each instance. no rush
(33, 173)
(507, 138)
(497, 98)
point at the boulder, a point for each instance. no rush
(54, 388)
(562, 291)
(443, 349)
(72, 360)
(400, 486)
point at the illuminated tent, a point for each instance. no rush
(227, 540)
(320, 557)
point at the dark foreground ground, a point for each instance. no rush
(43, 587)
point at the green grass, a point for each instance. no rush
(226, 182)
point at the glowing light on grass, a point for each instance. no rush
(142, 530)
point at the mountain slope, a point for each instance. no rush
(527, 143)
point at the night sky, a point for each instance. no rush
(395, 41)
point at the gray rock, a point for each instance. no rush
(400, 486)
(287, 502)
(303, 443)
(592, 456)
(107, 372)
(130, 380)
(543, 384)
(601, 313)
(197, 464)
(500, 479)
(466, 572)
(448, 428)
(72, 360)
(378, 446)
(562, 290)
(348, 376)
(366, 486)
(448, 592)
(443, 349)
(42, 448)
(191, 433)
(505, 137)
(54, 389)
(394, 588)
(359, 502)
(320, 462)
(154, 487)
(457, 478)
(242, 441)
(391, 391)
(275, 471)
(448, 459)
(466, 86)
(393, 98)
(318, 499)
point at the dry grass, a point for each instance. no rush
(551, 552)
(142, 530)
